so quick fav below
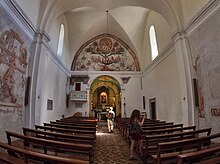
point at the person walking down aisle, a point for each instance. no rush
(110, 119)
(135, 132)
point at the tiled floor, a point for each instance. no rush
(112, 148)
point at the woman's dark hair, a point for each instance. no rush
(135, 114)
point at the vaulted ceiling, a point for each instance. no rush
(125, 19)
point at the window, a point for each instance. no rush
(49, 104)
(61, 41)
(77, 86)
(153, 43)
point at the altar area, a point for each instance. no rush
(101, 116)
(101, 112)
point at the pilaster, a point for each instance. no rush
(186, 90)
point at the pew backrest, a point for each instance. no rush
(168, 130)
(151, 141)
(200, 155)
(161, 127)
(76, 138)
(63, 130)
(27, 154)
(74, 123)
(182, 145)
(50, 144)
(77, 127)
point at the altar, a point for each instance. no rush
(101, 115)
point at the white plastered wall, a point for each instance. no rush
(132, 94)
(130, 91)
(52, 75)
(54, 35)
(190, 8)
(31, 8)
(162, 83)
(161, 76)
(163, 34)
(51, 85)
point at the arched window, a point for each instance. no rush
(153, 42)
(61, 41)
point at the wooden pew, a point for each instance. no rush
(168, 151)
(8, 159)
(213, 160)
(74, 138)
(168, 130)
(155, 127)
(84, 121)
(163, 126)
(205, 156)
(71, 126)
(151, 141)
(63, 130)
(27, 155)
(79, 119)
(151, 126)
(77, 151)
(123, 124)
(74, 123)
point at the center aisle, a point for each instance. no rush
(111, 148)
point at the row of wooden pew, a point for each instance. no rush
(66, 141)
(166, 142)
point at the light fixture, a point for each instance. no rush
(107, 21)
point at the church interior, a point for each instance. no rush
(67, 62)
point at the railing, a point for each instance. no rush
(78, 95)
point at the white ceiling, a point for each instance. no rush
(127, 19)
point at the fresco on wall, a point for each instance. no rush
(13, 64)
(205, 50)
(105, 53)
(197, 68)
(201, 103)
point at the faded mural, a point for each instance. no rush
(13, 64)
(205, 49)
(14, 55)
(105, 53)
(197, 68)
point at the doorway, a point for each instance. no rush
(152, 103)
(105, 92)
